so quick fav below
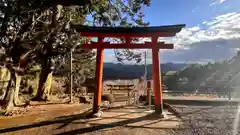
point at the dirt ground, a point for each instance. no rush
(69, 119)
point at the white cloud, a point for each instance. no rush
(221, 1)
(218, 39)
(215, 39)
(195, 9)
(225, 26)
(217, 2)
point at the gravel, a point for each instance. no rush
(210, 120)
(207, 120)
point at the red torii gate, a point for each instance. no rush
(122, 32)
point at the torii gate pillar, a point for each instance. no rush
(98, 77)
(156, 76)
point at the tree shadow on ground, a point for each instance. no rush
(66, 120)
(48, 122)
(111, 125)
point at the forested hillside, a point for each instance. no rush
(121, 71)
(215, 76)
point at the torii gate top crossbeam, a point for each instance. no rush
(146, 45)
(156, 31)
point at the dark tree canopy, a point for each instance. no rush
(38, 32)
(33, 29)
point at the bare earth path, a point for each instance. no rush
(67, 119)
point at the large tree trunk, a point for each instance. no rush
(11, 95)
(5, 76)
(17, 102)
(8, 100)
(36, 83)
(48, 85)
(45, 81)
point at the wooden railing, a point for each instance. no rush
(122, 90)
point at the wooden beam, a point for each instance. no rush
(123, 35)
(147, 45)
(157, 85)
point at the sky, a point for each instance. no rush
(212, 29)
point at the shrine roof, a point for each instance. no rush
(152, 29)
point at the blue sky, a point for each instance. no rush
(190, 12)
(212, 29)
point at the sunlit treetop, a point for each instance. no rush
(32, 25)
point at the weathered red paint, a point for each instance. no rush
(154, 45)
(119, 35)
(108, 45)
(98, 77)
(156, 77)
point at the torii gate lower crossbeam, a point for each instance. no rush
(153, 32)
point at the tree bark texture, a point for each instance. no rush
(45, 72)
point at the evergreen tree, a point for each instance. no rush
(38, 32)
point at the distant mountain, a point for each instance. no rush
(121, 71)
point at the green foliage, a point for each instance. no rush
(119, 13)
(220, 75)
(171, 82)
(83, 66)
(38, 32)
(41, 29)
